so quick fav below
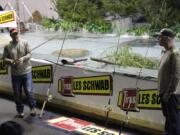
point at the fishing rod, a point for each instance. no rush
(43, 43)
(48, 95)
(108, 106)
(126, 120)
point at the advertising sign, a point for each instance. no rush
(92, 85)
(96, 130)
(42, 74)
(130, 98)
(147, 99)
(3, 67)
(69, 124)
(66, 86)
(7, 19)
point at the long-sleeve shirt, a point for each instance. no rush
(16, 51)
(169, 73)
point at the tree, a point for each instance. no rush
(78, 10)
(37, 17)
(161, 13)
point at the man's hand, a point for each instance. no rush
(19, 61)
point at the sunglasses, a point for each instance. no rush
(162, 37)
(14, 34)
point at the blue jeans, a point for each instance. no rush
(172, 115)
(24, 81)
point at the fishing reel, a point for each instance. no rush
(49, 97)
(108, 108)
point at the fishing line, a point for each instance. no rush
(140, 71)
(108, 107)
(49, 96)
(43, 43)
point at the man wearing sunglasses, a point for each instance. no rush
(17, 55)
(168, 79)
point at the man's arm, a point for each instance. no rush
(27, 52)
(5, 57)
(175, 71)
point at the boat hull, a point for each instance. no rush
(101, 104)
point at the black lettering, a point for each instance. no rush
(147, 99)
(91, 129)
(84, 85)
(139, 101)
(106, 85)
(2, 65)
(97, 84)
(89, 85)
(154, 99)
(102, 85)
(92, 85)
(77, 85)
(158, 99)
(46, 73)
(7, 17)
(94, 130)
(86, 128)
(105, 133)
(143, 98)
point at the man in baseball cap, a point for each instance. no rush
(165, 32)
(12, 31)
(168, 79)
(17, 55)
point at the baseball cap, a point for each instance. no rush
(14, 30)
(165, 32)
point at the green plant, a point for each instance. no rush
(140, 30)
(50, 23)
(125, 57)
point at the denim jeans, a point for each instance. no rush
(25, 82)
(172, 115)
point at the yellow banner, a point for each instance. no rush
(3, 67)
(148, 99)
(99, 85)
(7, 17)
(42, 74)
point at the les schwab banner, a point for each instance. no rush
(147, 99)
(8, 19)
(95, 85)
(42, 74)
(3, 68)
